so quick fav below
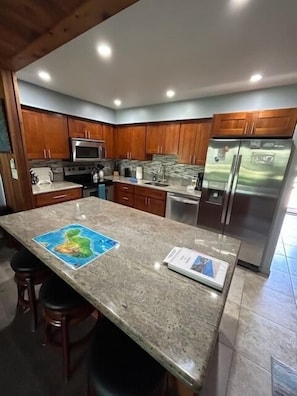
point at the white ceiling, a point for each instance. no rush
(196, 47)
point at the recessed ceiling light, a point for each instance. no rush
(117, 102)
(44, 75)
(104, 50)
(170, 93)
(256, 77)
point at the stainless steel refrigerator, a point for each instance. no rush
(242, 185)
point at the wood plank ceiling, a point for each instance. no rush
(30, 29)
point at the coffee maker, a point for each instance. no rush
(199, 181)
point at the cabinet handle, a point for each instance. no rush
(127, 154)
(124, 188)
(245, 128)
(161, 149)
(44, 153)
(60, 196)
(194, 159)
(125, 199)
(252, 128)
(149, 201)
(49, 154)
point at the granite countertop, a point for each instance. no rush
(55, 186)
(174, 318)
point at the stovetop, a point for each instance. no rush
(82, 175)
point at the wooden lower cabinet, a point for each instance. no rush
(150, 200)
(142, 198)
(124, 194)
(57, 197)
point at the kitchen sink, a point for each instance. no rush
(158, 184)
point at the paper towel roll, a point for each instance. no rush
(138, 172)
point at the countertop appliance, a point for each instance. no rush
(87, 149)
(82, 175)
(43, 175)
(241, 190)
(182, 207)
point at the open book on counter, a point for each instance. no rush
(205, 269)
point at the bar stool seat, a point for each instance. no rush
(29, 271)
(63, 307)
(117, 366)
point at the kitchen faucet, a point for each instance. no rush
(163, 171)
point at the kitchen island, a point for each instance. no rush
(175, 319)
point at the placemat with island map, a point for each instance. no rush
(76, 245)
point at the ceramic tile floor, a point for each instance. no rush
(259, 320)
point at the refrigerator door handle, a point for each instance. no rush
(228, 188)
(228, 217)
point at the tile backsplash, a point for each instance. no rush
(178, 174)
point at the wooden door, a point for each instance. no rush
(77, 128)
(108, 137)
(95, 130)
(33, 128)
(187, 142)
(122, 142)
(154, 138)
(231, 124)
(56, 136)
(171, 132)
(280, 122)
(201, 143)
(137, 142)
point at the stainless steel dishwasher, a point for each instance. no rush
(182, 207)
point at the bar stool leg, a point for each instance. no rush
(32, 303)
(65, 348)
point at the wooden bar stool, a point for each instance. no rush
(62, 307)
(29, 271)
(117, 366)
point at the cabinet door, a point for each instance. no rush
(140, 202)
(108, 137)
(154, 136)
(137, 142)
(95, 130)
(77, 128)
(231, 124)
(156, 206)
(170, 141)
(56, 136)
(122, 142)
(274, 122)
(187, 142)
(33, 129)
(201, 144)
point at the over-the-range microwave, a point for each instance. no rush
(87, 149)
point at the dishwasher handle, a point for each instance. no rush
(183, 200)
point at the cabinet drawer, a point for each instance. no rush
(125, 198)
(57, 197)
(125, 187)
(150, 192)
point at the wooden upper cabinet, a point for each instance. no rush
(85, 129)
(130, 142)
(193, 142)
(231, 124)
(46, 135)
(279, 122)
(108, 137)
(34, 135)
(162, 138)
(274, 122)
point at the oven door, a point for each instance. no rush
(90, 192)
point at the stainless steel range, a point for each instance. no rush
(81, 174)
